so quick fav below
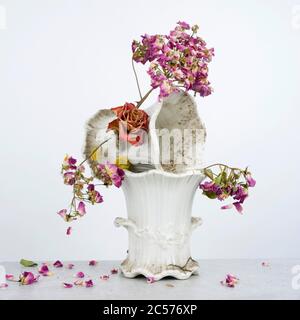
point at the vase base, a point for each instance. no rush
(130, 270)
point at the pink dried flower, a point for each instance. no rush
(114, 271)
(79, 274)
(89, 283)
(67, 285)
(230, 182)
(69, 178)
(69, 163)
(230, 281)
(69, 230)
(92, 263)
(111, 174)
(183, 25)
(57, 264)
(63, 214)
(251, 182)
(94, 196)
(150, 280)
(104, 277)
(3, 285)
(81, 209)
(238, 207)
(179, 59)
(27, 278)
(44, 270)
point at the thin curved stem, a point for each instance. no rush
(136, 78)
(221, 164)
(144, 98)
(92, 153)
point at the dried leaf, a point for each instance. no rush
(28, 263)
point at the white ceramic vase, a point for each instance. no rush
(159, 223)
(159, 200)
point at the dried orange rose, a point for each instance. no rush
(130, 124)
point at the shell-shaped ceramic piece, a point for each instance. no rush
(174, 119)
(177, 117)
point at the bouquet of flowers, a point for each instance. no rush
(176, 62)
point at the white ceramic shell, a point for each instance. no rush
(176, 112)
(159, 223)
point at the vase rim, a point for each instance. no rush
(192, 172)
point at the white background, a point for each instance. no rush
(60, 61)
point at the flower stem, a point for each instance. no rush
(136, 78)
(93, 152)
(144, 98)
(221, 164)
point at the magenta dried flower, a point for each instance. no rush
(57, 264)
(92, 263)
(69, 163)
(230, 281)
(177, 60)
(229, 182)
(27, 278)
(81, 208)
(44, 270)
(150, 280)
(79, 274)
(89, 283)
(111, 174)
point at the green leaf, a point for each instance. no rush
(223, 177)
(28, 263)
(218, 179)
(210, 194)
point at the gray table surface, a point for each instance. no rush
(256, 282)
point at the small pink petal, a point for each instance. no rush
(70, 266)
(238, 207)
(150, 280)
(67, 285)
(79, 274)
(89, 283)
(104, 277)
(114, 271)
(228, 206)
(9, 277)
(69, 230)
(251, 182)
(57, 264)
(230, 281)
(3, 285)
(63, 214)
(265, 264)
(81, 168)
(81, 208)
(44, 270)
(93, 263)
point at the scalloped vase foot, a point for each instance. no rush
(159, 224)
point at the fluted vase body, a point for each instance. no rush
(159, 223)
